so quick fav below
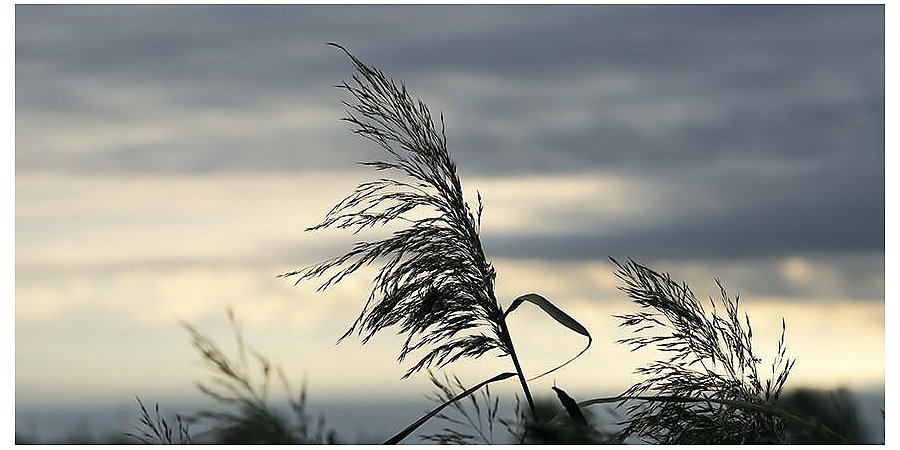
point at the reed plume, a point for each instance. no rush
(436, 285)
(708, 387)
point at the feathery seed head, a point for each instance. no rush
(435, 285)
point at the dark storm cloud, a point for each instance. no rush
(737, 79)
(729, 98)
(765, 233)
(747, 211)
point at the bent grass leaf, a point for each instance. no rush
(558, 315)
(413, 426)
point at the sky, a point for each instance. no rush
(168, 159)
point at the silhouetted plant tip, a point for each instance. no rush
(710, 358)
(247, 417)
(571, 406)
(569, 425)
(435, 284)
(154, 429)
(477, 416)
(415, 425)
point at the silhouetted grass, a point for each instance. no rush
(474, 420)
(435, 286)
(709, 356)
(244, 414)
(155, 429)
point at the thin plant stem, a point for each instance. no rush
(515, 359)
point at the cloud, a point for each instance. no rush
(115, 334)
(88, 226)
(773, 141)
(525, 88)
(718, 212)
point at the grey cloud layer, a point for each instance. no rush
(554, 88)
(777, 111)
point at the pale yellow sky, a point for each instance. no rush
(107, 265)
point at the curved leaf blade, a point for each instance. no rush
(559, 316)
(413, 426)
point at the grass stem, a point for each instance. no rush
(515, 359)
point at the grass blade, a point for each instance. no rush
(413, 426)
(558, 315)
